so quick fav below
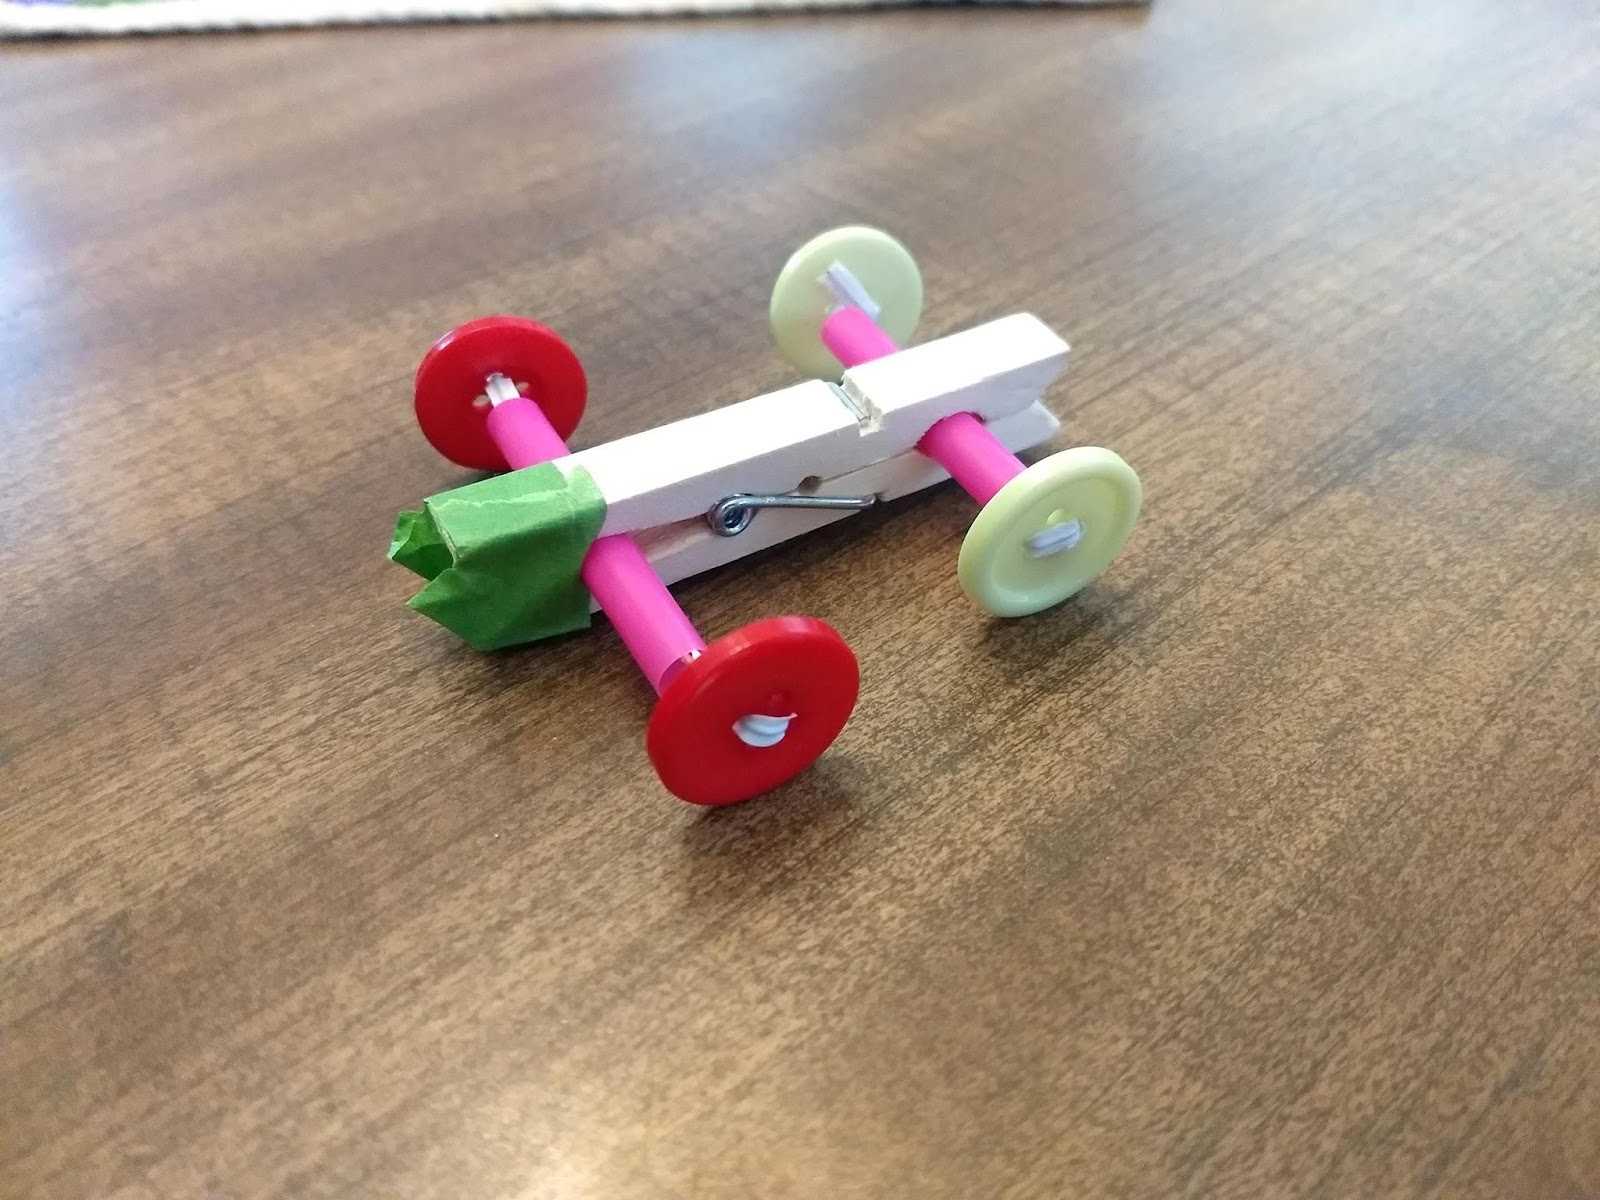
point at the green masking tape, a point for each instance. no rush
(502, 556)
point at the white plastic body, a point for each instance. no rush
(854, 440)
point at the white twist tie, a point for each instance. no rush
(1063, 535)
(847, 291)
(760, 730)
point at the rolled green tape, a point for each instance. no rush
(502, 556)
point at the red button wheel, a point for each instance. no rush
(451, 406)
(752, 712)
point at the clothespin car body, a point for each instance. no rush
(678, 488)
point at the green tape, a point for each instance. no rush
(501, 556)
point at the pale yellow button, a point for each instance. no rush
(800, 300)
(1049, 532)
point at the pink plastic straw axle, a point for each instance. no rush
(961, 443)
(855, 338)
(655, 629)
(975, 458)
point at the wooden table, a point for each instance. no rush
(1266, 867)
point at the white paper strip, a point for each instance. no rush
(160, 16)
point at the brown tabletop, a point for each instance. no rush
(1267, 866)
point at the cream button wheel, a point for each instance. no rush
(1049, 532)
(874, 262)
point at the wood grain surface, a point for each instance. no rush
(1267, 867)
